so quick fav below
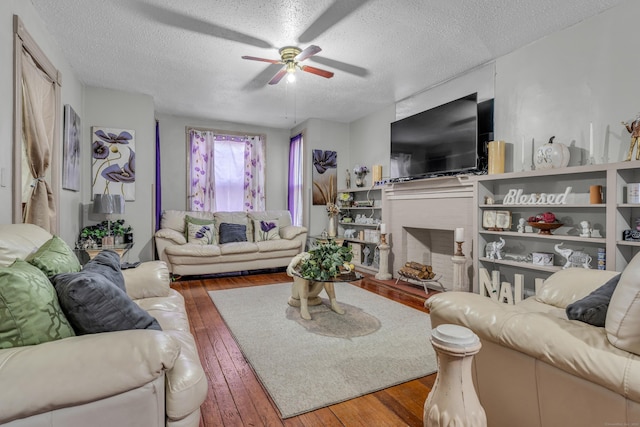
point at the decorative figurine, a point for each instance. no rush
(348, 178)
(634, 129)
(521, 224)
(366, 252)
(586, 229)
(573, 258)
(494, 249)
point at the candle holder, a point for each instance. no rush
(459, 250)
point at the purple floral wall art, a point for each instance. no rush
(113, 158)
(325, 176)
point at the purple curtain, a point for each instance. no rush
(158, 179)
(294, 200)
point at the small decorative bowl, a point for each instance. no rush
(545, 227)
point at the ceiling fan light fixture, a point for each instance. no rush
(291, 77)
(291, 67)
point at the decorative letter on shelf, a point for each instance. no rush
(503, 292)
(516, 197)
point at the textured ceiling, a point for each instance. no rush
(187, 54)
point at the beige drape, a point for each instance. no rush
(38, 124)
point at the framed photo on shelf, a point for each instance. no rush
(496, 220)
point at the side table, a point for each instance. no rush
(92, 252)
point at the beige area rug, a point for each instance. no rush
(310, 364)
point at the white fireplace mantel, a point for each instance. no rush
(421, 216)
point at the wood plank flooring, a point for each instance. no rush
(236, 397)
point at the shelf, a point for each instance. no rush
(364, 242)
(561, 237)
(629, 205)
(519, 264)
(360, 225)
(359, 189)
(627, 243)
(367, 208)
(548, 207)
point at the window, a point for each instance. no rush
(226, 171)
(295, 202)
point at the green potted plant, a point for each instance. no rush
(325, 262)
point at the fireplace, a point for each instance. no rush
(421, 217)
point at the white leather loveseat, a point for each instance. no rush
(212, 253)
(538, 368)
(138, 377)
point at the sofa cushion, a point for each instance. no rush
(235, 218)
(17, 241)
(623, 315)
(107, 264)
(566, 286)
(266, 229)
(93, 304)
(232, 233)
(29, 309)
(201, 233)
(54, 257)
(592, 309)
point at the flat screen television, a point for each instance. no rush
(445, 140)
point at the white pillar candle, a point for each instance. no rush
(459, 235)
(383, 228)
(591, 140)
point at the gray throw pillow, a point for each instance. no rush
(592, 309)
(232, 233)
(107, 263)
(93, 304)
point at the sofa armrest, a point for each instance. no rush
(82, 369)
(171, 234)
(290, 232)
(149, 279)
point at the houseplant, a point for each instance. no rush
(325, 262)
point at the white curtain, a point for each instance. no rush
(254, 196)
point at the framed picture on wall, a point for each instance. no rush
(113, 163)
(71, 150)
(325, 177)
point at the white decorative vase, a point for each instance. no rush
(332, 230)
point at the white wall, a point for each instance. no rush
(558, 85)
(322, 135)
(71, 92)
(123, 110)
(173, 160)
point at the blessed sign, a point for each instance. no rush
(516, 197)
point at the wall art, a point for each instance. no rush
(113, 162)
(71, 150)
(325, 177)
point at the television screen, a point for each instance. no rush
(439, 141)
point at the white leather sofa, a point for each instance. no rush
(126, 378)
(537, 368)
(187, 258)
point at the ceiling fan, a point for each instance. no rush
(290, 57)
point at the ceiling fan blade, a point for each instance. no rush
(342, 66)
(309, 51)
(253, 58)
(317, 71)
(279, 75)
(335, 13)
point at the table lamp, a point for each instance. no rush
(108, 204)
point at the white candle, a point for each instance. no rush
(590, 140)
(523, 152)
(459, 235)
(383, 228)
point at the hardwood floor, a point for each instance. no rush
(236, 397)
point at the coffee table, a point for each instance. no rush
(304, 292)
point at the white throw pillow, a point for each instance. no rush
(203, 234)
(266, 229)
(623, 315)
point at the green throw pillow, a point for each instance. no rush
(29, 309)
(190, 231)
(266, 229)
(54, 257)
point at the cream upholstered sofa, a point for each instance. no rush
(538, 368)
(137, 377)
(185, 255)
